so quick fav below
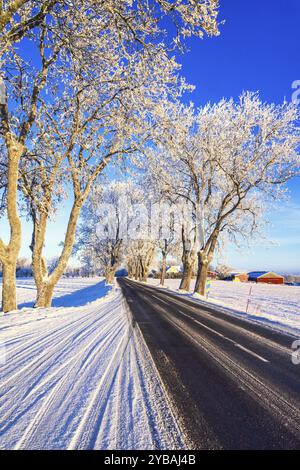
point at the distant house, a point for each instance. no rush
(237, 277)
(241, 277)
(267, 277)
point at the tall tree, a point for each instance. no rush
(50, 36)
(251, 149)
(99, 119)
(164, 222)
(172, 182)
(106, 224)
(139, 257)
(16, 126)
(228, 162)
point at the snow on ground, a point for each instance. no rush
(79, 377)
(276, 306)
(68, 293)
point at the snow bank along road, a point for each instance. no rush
(231, 383)
(80, 377)
(274, 305)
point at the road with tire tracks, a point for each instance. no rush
(231, 383)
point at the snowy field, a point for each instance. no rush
(78, 376)
(276, 306)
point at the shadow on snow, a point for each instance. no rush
(78, 298)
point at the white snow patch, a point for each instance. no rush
(80, 377)
(277, 306)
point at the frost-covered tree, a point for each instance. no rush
(230, 160)
(223, 271)
(106, 223)
(191, 17)
(97, 120)
(164, 222)
(141, 242)
(71, 33)
(252, 148)
(52, 35)
(139, 257)
(19, 103)
(19, 17)
(168, 241)
(24, 268)
(89, 263)
(171, 181)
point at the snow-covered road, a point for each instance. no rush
(80, 378)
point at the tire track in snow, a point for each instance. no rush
(34, 346)
(87, 358)
(51, 352)
(46, 361)
(81, 384)
(85, 435)
(42, 345)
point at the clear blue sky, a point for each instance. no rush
(258, 50)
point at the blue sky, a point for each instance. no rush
(258, 50)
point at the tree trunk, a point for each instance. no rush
(200, 286)
(130, 272)
(109, 275)
(188, 261)
(15, 148)
(39, 265)
(145, 271)
(9, 253)
(9, 298)
(44, 295)
(46, 288)
(187, 274)
(163, 270)
(143, 277)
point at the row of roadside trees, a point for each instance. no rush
(208, 179)
(88, 84)
(81, 86)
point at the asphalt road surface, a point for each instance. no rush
(231, 383)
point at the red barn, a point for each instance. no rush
(266, 277)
